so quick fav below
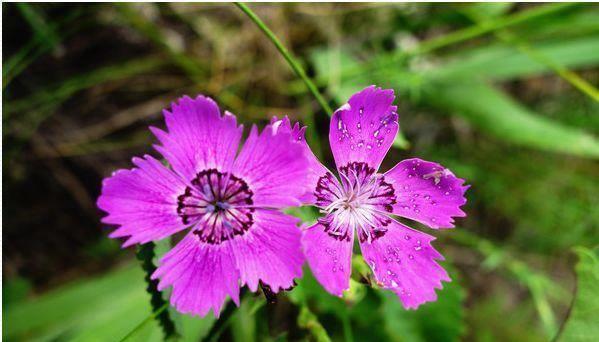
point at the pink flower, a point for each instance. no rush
(227, 201)
(363, 201)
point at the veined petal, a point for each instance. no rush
(198, 136)
(315, 169)
(142, 201)
(363, 129)
(202, 276)
(403, 261)
(329, 257)
(270, 251)
(427, 192)
(274, 167)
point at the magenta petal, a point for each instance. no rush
(274, 167)
(329, 257)
(315, 169)
(403, 261)
(269, 251)
(198, 137)
(202, 276)
(427, 192)
(364, 129)
(142, 201)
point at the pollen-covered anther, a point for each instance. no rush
(354, 202)
(221, 202)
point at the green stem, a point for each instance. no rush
(478, 30)
(145, 253)
(223, 320)
(144, 322)
(292, 62)
(565, 73)
(427, 46)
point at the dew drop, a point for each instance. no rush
(407, 237)
(410, 256)
(376, 133)
(368, 146)
(427, 197)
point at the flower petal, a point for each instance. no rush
(142, 201)
(403, 261)
(315, 168)
(198, 136)
(202, 276)
(274, 167)
(269, 251)
(329, 257)
(364, 129)
(427, 192)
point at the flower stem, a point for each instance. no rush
(145, 254)
(287, 55)
(144, 322)
(223, 320)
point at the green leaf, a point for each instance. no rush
(482, 105)
(498, 114)
(501, 62)
(442, 320)
(109, 305)
(583, 321)
(103, 308)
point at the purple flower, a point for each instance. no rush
(226, 200)
(363, 200)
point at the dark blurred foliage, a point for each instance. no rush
(81, 84)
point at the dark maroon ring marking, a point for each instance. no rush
(218, 204)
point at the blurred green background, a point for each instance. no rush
(503, 94)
